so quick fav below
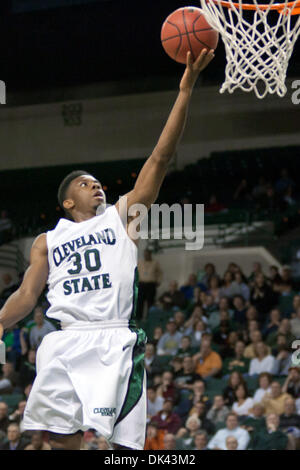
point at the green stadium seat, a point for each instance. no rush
(12, 400)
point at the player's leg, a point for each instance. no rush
(130, 432)
(65, 441)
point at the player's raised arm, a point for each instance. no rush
(21, 302)
(154, 170)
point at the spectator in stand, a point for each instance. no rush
(238, 362)
(292, 382)
(199, 329)
(243, 192)
(286, 297)
(151, 362)
(295, 324)
(4, 420)
(157, 334)
(200, 410)
(239, 313)
(179, 319)
(154, 402)
(273, 402)
(284, 182)
(173, 297)
(231, 443)
(197, 314)
(166, 419)
(255, 337)
(229, 392)
(185, 436)
(223, 313)
(270, 437)
(255, 420)
(169, 343)
(27, 369)
(213, 206)
(185, 347)
(13, 347)
(186, 378)
(214, 289)
(9, 379)
(257, 269)
(296, 304)
(150, 276)
(243, 402)
(283, 356)
(219, 411)
(210, 271)
(259, 189)
(273, 323)
(208, 362)
(154, 439)
(188, 288)
(263, 362)
(262, 296)
(18, 415)
(264, 381)
(169, 442)
(168, 389)
(274, 275)
(14, 439)
(37, 442)
(226, 289)
(200, 441)
(41, 329)
(218, 442)
(199, 393)
(285, 330)
(290, 420)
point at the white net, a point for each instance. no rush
(258, 43)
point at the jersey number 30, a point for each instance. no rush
(91, 259)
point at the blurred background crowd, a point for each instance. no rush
(221, 362)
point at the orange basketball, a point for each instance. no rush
(186, 29)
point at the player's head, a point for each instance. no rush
(80, 191)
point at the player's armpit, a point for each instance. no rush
(21, 302)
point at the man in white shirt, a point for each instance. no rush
(169, 343)
(218, 442)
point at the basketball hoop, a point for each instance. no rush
(257, 48)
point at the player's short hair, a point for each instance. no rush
(64, 185)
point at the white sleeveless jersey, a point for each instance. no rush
(92, 270)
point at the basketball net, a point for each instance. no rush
(258, 48)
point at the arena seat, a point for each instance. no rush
(12, 400)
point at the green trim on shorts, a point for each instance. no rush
(135, 384)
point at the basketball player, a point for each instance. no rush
(90, 374)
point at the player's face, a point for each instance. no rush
(86, 193)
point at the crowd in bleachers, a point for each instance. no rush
(219, 361)
(220, 371)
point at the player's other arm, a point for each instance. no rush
(154, 170)
(21, 302)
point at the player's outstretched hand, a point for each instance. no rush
(194, 68)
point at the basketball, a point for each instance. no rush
(186, 29)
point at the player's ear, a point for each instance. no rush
(68, 204)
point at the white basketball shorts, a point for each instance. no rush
(91, 377)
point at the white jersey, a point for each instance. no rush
(92, 271)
